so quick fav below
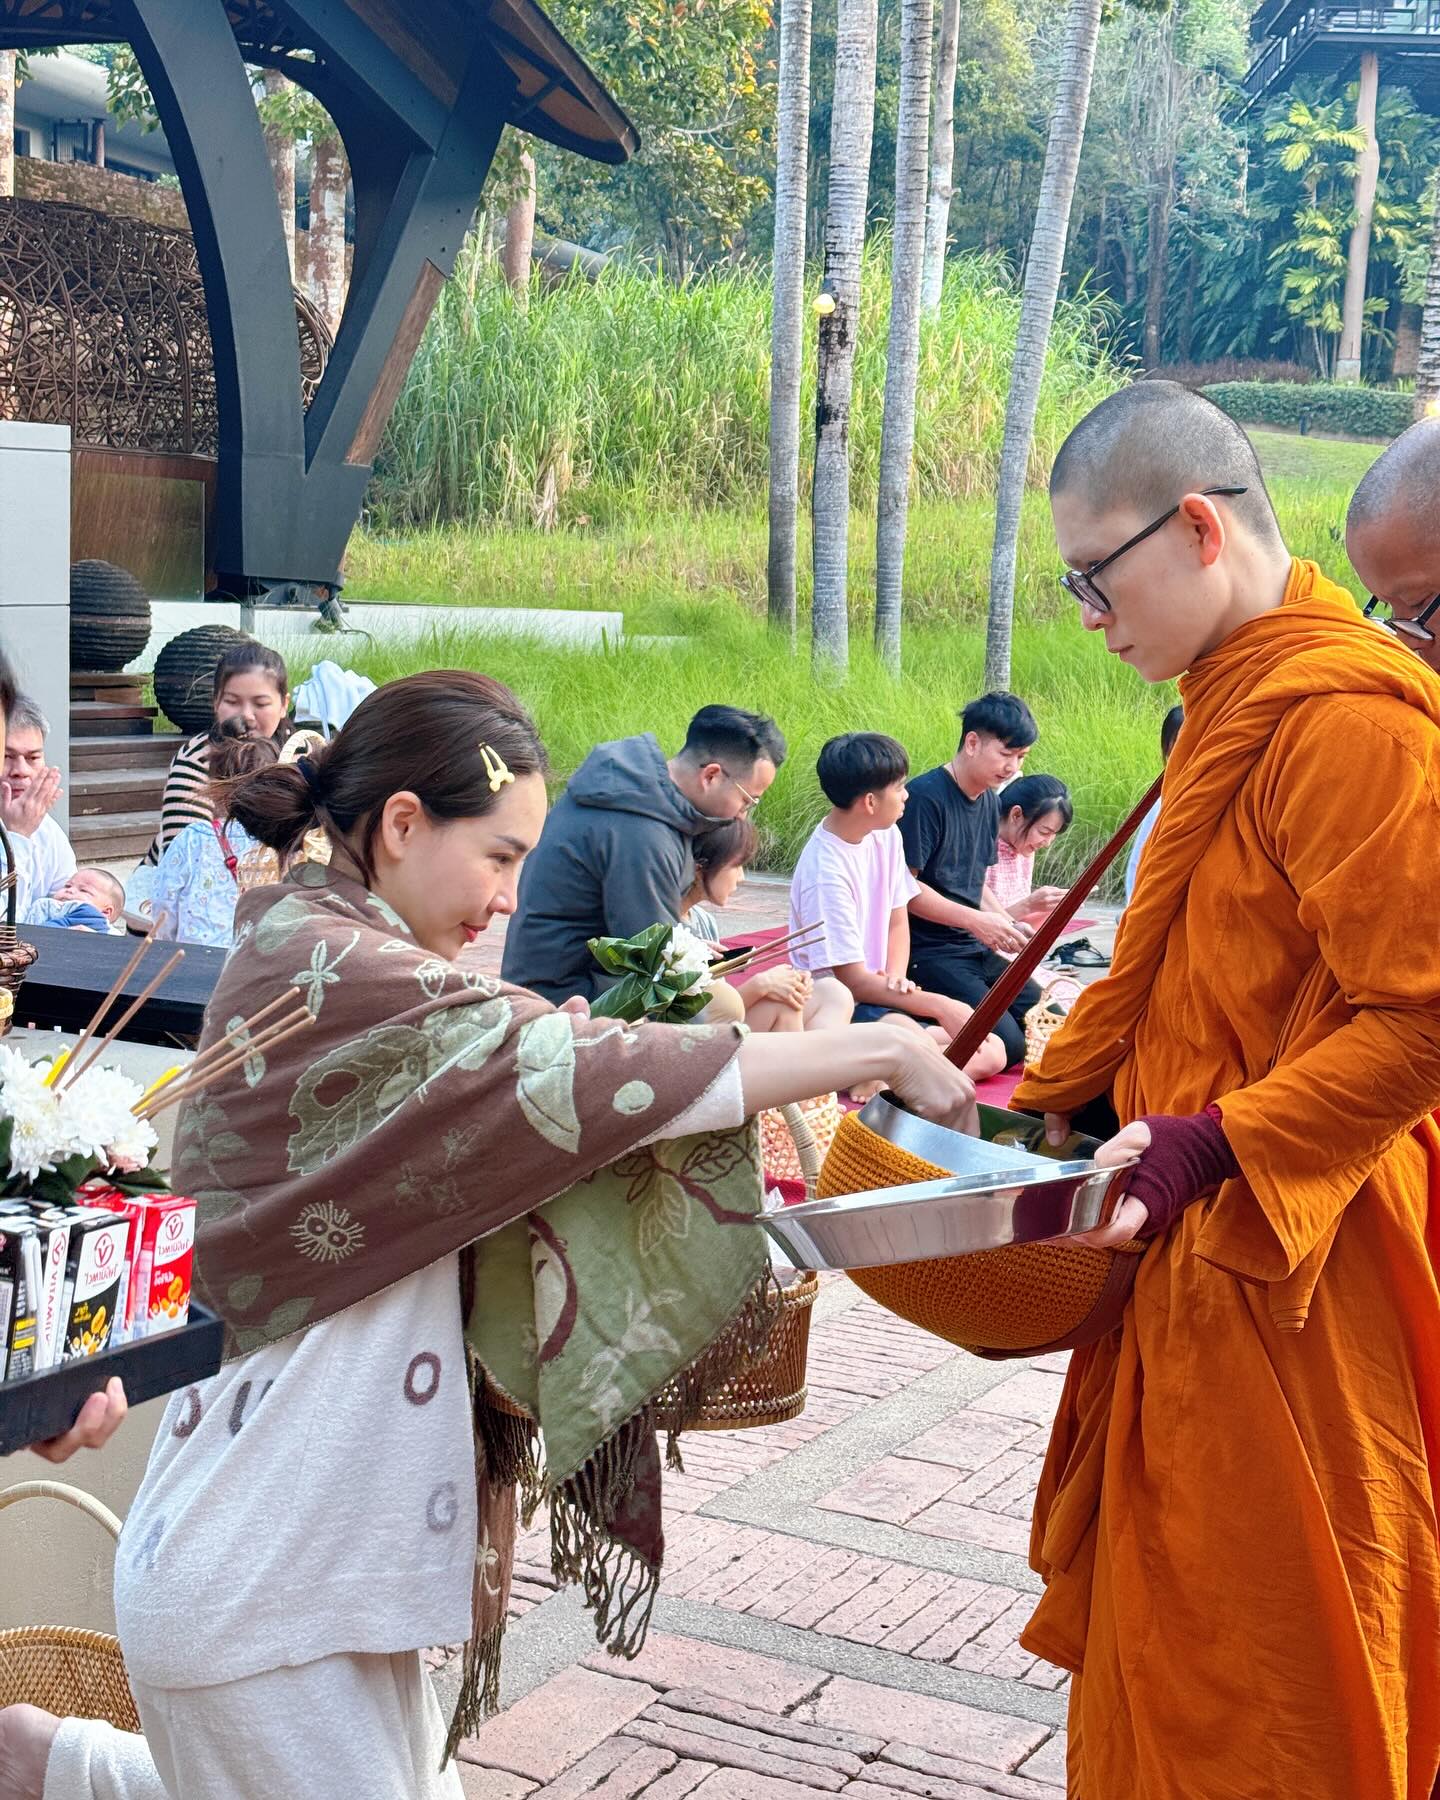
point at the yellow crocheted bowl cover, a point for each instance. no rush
(1018, 1301)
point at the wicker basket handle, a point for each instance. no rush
(805, 1147)
(72, 1496)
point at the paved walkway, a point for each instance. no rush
(839, 1610)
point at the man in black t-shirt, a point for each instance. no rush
(958, 929)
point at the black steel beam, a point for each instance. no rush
(203, 95)
(355, 57)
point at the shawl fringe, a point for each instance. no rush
(587, 1548)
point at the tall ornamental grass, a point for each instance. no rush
(607, 400)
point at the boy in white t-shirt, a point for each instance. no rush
(852, 878)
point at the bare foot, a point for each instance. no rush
(26, 1735)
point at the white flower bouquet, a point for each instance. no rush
(55, 1136)
(666, 974)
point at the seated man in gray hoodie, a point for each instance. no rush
(615, 855)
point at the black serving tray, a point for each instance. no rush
(45, 1405)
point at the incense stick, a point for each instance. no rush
(53, 1079)
(741, 956)
(167, 969)
(749, 965)
(179, 1091)
(973, 1033)
(230, 1040)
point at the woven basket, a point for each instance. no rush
(76, 1674)
(1019, 1301)
(771, 1389)
(15, 957)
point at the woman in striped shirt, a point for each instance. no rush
(252, 684)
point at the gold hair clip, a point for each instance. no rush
(495, 768)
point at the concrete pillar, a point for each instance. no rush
(35, 576)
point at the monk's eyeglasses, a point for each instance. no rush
(1080, 583)
(1417, 628)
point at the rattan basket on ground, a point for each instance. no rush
(77, 1674)
(771, 1389)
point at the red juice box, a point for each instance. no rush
(162, 1274)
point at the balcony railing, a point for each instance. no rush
(1401, 23)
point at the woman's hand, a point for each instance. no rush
(100, 1418)
(1036, 903)
(1131, 1215)
(577, 1004)
(929, 1084)
(790, 987)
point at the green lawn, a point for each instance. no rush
(1287, 456)
(702, 578)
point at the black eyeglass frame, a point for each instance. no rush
(1080, 583)
(1417, 628)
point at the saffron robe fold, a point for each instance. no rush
(1237, 1517)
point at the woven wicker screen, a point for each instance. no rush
(103, 329)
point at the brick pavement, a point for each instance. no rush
(840, 1607)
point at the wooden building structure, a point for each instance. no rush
(420, 91)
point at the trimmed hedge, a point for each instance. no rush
(1325, 406)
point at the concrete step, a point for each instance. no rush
(109, 718)
(106, 837)
(111, 750)
(116, 790)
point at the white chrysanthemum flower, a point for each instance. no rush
(688, 954)
(97, 1109)
(132, 1147)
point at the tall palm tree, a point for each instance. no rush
(787, 331)
(7, 123)
(1352, 329)
(520, 230)
(280, 143)
(1037, 314)
(1427, 371)
(329, 177)
(907, 259)
(942, 157)
(852, 124)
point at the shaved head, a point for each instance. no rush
(1402, 489)
(1392, 530)
(1145, 448)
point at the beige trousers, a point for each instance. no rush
(343, 1728)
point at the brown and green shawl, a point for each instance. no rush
(430, 1108)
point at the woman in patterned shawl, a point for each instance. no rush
(342, 1495)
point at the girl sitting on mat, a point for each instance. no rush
(1034, 811)
(777, 999)
(408, 1220)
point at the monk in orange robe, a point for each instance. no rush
(1237, 1519)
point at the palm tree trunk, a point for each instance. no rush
(328, 177)
(1427, 370)
(520, 233)
(942, 157)
(1157, 274)
(1352, 330)
(907, 259)
(280, 144)
(852, 123)
(1037, 312)
(787, 331)
(7, 123)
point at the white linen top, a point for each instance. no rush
(317, 1498)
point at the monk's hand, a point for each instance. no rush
(99, 1419)
(1057, 1129)
(1130, 1217)
(1181, 1158)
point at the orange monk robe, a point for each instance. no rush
(1237, 1519)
